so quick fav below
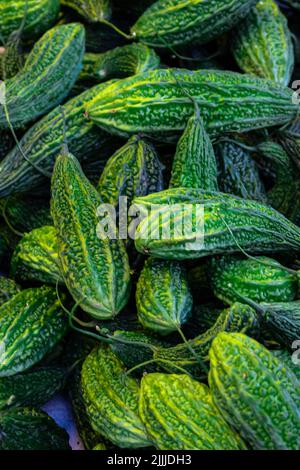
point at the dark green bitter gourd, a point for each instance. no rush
(238, 172)
(194, 164)
(31, 429)
(48, 75)
(8, 288)
(261, 279)
(31, 324)
(32, 388)
(262, 43)
(119, 62)
(178, 413)
(90, 10)
(35, 257)
(172, 22)
(95, 268)
(231, 225)
(39, 15)
(255, 392)
(163, 298)
(133, 170)
(25, 213)
(111, 400)
(229, 102)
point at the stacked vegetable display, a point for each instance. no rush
(179, 342)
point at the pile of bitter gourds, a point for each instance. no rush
(188, 111)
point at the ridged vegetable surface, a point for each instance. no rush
(8, 288)
(194, 356)
(32, 388)
(95, 268)
(163, 298)
(35, 258)
(31, 429)
(173, 22)
(179, 413)
(230, 224)
(262, 280)
(25, 213)
(194, 164)
(49, 73)
(133, 170)
(253, 390)
(91, 10)
(31, 323)
(239, 173)
(111, 400)
(39, 15)
(262, 43)
(43, 141)
(154, 103)
(119, 62)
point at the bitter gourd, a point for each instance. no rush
(133, 170)
(163, 298)
(32, 388)
(120, 62)
(31, 323)
(239, 173)
(262, 280)
(254, 390)
(30, 429)
(178, 413)
(111, 400)
(193, 356)
(48, 75)
(262, 43)
(172, 22)
(39, 16)
(25, 213)
(230, 225)
(154, 102)
(91, 10)
(194, 164)
(43, 141)
(95, 268)
(8, 288)
(35, 258)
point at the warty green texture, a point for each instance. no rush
(119, 62)
(48, 75)
(231, 224)
(194, 164)
(238, 172)
(255, 392)
(35, 257)
(43, 141)
(111, 400)
(39, 16)
(262, 43)
(178, 413)
(8, 288)
(172, 22)
(31, 324)
(12, 58)
(32, 388)
(31, 429)
(193, 357)
(261, 279)
(163, 298)
(91, 10)
(95, 268)
(133, 170)
(156, 102)
(290, 359)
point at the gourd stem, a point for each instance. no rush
(132, 343)
(192, 351)
(240, 144)
(119, 31)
